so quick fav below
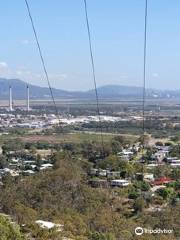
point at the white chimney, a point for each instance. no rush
(10, 99)
(28, 108)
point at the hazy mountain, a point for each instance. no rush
(19, 90)
(118, 91)
(107, 91)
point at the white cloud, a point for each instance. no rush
(58, 75)
(27, 75)
(19, 72)
(25, 42)
(123, 77)
(155, 75)
(63, 75)
(3, 65)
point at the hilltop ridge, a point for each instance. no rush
(105, 92)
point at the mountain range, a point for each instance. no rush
(104, 92)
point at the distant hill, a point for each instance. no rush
(105, 92)
(118, 91)
(19, 90)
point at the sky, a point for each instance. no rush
(117, 28)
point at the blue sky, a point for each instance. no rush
(117, 36)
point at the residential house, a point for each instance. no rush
(119, 183)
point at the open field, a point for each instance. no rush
(75, 137)
(72, 137)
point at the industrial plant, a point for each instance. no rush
(12, 105)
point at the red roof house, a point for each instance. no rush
(162, 180)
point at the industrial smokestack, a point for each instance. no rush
(28, 108)
(10, 99)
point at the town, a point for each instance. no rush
(139, 172)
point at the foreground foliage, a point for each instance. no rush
(63, 195)
(9, 230)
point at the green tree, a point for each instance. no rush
(3, 161)
(165, 192)
(8, 230)
(101, 236)
(116, 146)
(139, 204)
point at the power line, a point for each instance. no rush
(93, 72)
(41, 57)
(144, 74)
(144, 63)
